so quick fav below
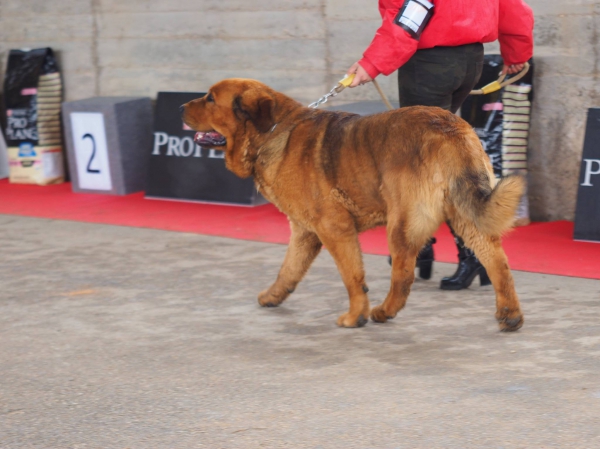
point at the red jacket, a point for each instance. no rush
(454, 22)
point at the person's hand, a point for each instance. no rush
(512, 69)
(361, 75)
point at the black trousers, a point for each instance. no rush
(440, 76)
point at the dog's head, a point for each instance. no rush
(232, 116)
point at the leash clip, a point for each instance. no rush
(340, 86)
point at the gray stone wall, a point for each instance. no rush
(301, 47)
(567, 54)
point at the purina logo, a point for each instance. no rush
(26, 150)
(589, 171)
(167, 145)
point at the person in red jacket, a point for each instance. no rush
(437, 48)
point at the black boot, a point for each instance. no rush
(468, 268)
(425, 259)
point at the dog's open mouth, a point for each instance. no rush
(209, 139)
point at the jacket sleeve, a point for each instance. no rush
(391, 47)
(515, 31)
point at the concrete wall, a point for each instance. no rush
(301, 47)
(567, 53)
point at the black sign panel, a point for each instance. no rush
(180, 169)
(587, 214)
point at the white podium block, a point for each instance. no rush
(107, 141)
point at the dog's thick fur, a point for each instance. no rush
(336, 174)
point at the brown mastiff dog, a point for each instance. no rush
(336, 174)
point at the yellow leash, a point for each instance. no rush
(492, 87)
(500, 83)
(341, 85)
(382, 95)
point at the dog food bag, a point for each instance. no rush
(32, 99)
(501, 120)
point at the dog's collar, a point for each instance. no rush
(268, 138)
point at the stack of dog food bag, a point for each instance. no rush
(32, 99)
(501, 120)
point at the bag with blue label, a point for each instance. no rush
(32, 100)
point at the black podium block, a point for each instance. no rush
(587, 214)
(179, 169)
(3, 157)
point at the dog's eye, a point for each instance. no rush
(210, 98)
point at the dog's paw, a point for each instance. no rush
(509, 321)
(379, 316)
(267, 299)
(347, 320)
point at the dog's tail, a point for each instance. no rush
(492, 209)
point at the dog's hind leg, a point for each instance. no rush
(490, 253)
(404, 249)
(340, 237)
(303, 248)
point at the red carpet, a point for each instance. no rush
(539, 248)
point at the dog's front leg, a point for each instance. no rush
(302, 250)
(341, 240)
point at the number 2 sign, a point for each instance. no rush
(91, 152)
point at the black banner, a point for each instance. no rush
(180, 169)
(587, 214)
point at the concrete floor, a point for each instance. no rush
(114, 337)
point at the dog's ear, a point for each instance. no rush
(257, 107)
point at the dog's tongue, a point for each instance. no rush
(209, 139)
